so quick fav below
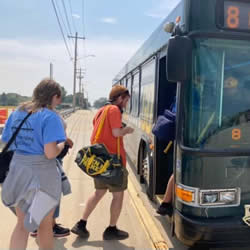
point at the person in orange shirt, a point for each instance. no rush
(112, 129)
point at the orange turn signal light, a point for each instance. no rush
(183, 194)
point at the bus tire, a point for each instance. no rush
(150, 181)
(146, 170)
(140, 165)
(172, 226)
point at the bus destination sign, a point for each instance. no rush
(237, 15)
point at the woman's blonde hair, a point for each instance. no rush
(42, 95)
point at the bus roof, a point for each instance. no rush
(154, 43)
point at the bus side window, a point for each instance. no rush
(129, 85)
(147, 90)
(135, 95)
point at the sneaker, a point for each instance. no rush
(80, 230)
(113, 233)
(60, 231)
(165, 209)
(33, 234)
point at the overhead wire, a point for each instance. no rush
(83, 28)
(72, 19)
(61, 29)
(66, 15)
(65, 27)
(84, 47)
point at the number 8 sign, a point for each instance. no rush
(236, 134)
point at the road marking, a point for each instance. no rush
(156, 239)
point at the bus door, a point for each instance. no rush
(165, 99)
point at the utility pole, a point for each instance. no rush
(75, 65)
(80, 77)
(51, 71)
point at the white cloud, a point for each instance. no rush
(24, 63)
(109, 20)
(162, 8)
(76, 16)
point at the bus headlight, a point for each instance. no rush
(227, 197)
(210, 198)
(220, 197)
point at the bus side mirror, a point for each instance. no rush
(179, 58)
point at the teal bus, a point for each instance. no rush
(201, 56)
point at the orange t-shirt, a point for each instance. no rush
(112, 120)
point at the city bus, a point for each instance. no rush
(203, 60)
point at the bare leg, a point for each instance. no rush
(116, 207)
(169, 190)
(19, 237)
(92, 202)
(45, 232)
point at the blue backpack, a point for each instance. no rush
(164, 128)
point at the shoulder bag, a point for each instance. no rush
(97, 162)
(6, 155)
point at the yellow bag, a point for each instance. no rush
(97, 162)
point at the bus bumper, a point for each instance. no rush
(226, 232)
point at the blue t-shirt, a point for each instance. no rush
(42, 127)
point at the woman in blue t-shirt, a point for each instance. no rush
(33, 184)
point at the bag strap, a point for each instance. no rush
(97, 135)
(118, 147)
(13, 137)
(99, 129)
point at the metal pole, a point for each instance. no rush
(51, 71)
(87, 100)
(80, 77)
(75, 64)
(74, 81)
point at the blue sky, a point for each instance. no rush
(30, 39)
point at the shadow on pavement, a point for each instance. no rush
(59, 243)
(108, 245)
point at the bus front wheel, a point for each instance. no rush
(140, 165)
(146, 170)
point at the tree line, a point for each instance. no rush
(14, 99)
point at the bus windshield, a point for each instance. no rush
(217, 100)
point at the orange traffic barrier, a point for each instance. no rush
(3, 115)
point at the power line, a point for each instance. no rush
(83, 25)
(66, 15)
(66, 45)
(60, 16)
(83, 29)
(65, 27)
(70, 6)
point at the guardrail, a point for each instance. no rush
(1, 129)
(64, 113)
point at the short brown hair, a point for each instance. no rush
(116, 91)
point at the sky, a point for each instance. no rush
(31, 40)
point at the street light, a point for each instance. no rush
(86, 56)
